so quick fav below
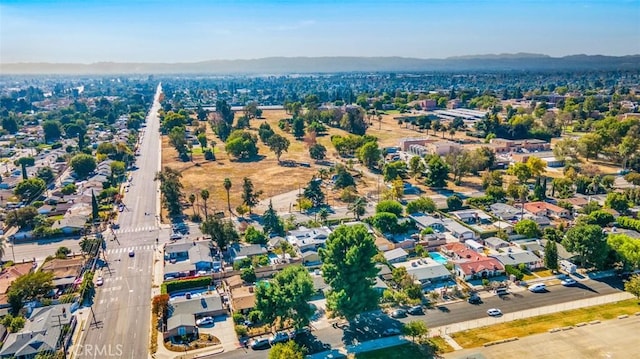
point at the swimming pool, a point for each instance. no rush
(438, 257)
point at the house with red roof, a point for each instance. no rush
(481, 268)
(547, 210)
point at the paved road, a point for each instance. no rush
(122, 304)
(372, 326)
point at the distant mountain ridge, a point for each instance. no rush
(289, 65)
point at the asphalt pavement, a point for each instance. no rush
(371, 325)
(122, 304)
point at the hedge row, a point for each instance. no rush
(629, 223)
(179, 285)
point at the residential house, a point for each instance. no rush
(187, 259)
(426, 221)
(308, 239)
(238, 252)
(504, 211)
(234, 282)
(396, 255)
(43, 333)
(515, 256)
(202, 306)
(65, 271)
(474, 246)
(458, 230)
(546, 209)
(243, 299)
(8, 275)
(563, 253)
(432, 242)
(471, 216)
(275, 242)
(181, 325)
(496, 243)
(426, 270)
(478, 269)
(311, 258)
(71, 223)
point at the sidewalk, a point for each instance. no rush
(507, 317)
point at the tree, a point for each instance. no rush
(285, 298)
(633, 178)
(249, 197)
(62, 252)
(348, 268)
(589, 145)
(46, 174)
(389, 206)
(491, 178)
(617, 201)
(68, 189)
(416, 166)
(222, 232)
(633, 286)
(394, 170)
(626, 248)
(28, 287)
(242, 144)
(369, 154)
(271, 222)
(358, 207)
(30, 189)
(589, 243)
(298, 127)
(10, 124)
(278, 144)
(83, 164)
(415, 329)
(89, 245)
(95, 209)
(178, 139)
(171, 190)
(22, 217)
(204, 194)
(422, 204)
(551, 255)
(438, 172)
(52, 130)
(25, 162)
(202, 139)
(313, 192)
(227, 187)
(454, 203)
(520, 171)
(343, 178)
(248, 275)
(254, 236)
(459, 162)
(288, 350)
(318, 152)
(536, 166)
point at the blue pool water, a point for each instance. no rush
(438, 257)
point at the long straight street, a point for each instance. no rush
(122, 304)
(371, 325)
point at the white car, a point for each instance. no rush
(205, 321)
(494, 312)
(538, 288)
(568, 282)
(99, 281)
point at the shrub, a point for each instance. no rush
(179, 285)
(238, 318)
(514, 271)
(389, 206)
(241, 330)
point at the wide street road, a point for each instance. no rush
(373, 324)
(122, 304)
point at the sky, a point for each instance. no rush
(166, 31)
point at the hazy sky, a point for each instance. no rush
(186, 31)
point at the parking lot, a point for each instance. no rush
(616, 338)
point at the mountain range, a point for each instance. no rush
(293, 65)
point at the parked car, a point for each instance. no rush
(279, 337)
(175, 236)
(205, 321)
(389, 332)
(259, 344)
(132, 253)
(538, 288)
(416, 310)
(502, 291)
(399, 313)
(474, 299)
(568, 282)
(99, 281)
(494, 312)
(115, 226)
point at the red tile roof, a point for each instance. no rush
(472, 267)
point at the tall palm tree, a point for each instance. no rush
(204, 194)
(227, 187)
(192, 199)
(358, 207)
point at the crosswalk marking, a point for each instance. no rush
(127, 249)
(135, 229)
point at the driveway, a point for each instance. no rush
(223, 330)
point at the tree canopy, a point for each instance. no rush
(349, 269)
(589, 243)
